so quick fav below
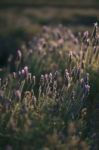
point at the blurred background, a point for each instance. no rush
(21, 19)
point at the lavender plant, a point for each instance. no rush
(45, 97)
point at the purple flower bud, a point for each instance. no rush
(86, 89)
(22, 73)
(9, 147)
(86, 33)
(18, 94)
(46, 78)
(85, 36)
(26, 70)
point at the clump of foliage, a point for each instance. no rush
(44, 103)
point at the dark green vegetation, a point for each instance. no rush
(70, 2)
(50, 101)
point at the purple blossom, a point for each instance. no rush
(86, 89)
(17, 94)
